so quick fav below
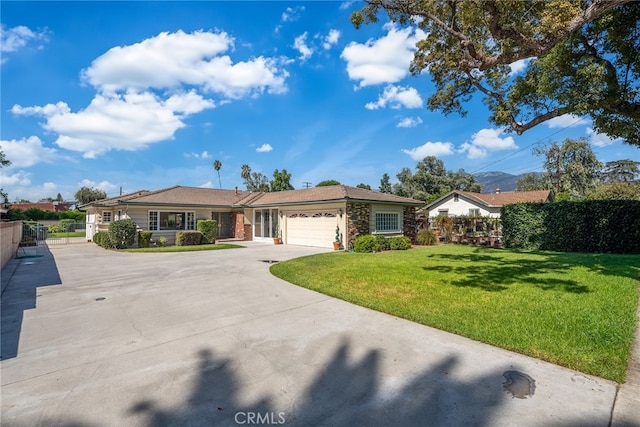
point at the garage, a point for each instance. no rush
(316, 228)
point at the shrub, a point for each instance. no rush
(382, 243)
(426, 237)
(122, 233)
(55, 229)
(365, 243)
(188, 238)
(209, 229)
(162, 241)
(144, 239)
(587, 226)
(67, 224)
(101, 238)
(400, 243)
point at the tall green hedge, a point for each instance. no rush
(122, 233)
(588, 226)
(208, 228)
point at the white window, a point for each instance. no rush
(474, 212)
(443, 212)
(166, 220)
(387, 221)
(106, 216)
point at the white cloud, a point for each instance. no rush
(16, 38)
(204, 155)
(142, 97)
(117, 122)
(397, 97)
(331, 39)
(264, 148)
(486, 140)
(600, 139)
(207, 184)
(300, 45)
(170, 60)
(16, 179)
(429, 149)
(27, 152)
(409, 122)
(385, 60)
(519, 66)
(347, 4)
(566, 121)
(291, 14)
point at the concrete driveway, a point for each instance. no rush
(100, 338)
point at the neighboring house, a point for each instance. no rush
(457, 203)
(45, 206)
(306, 217)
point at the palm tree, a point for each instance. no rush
(246, 172)
(217, 165)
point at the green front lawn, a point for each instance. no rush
(66, 234)
(576, 310)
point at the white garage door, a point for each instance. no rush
(311, 229)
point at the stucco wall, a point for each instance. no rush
(461, 207)
(11, 233)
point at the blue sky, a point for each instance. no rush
(146, 95)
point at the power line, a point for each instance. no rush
(527, 147)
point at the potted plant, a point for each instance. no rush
(277, 239)
(338, 241)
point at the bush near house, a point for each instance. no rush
(188, 238)
(426, 237)
(588, 226)
(379, 243)
(400, 243)
(122, 233)
(209, 229)
(101, 238)
(144, 239)
(366, 243)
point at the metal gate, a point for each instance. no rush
(64, 233)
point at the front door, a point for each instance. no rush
(224, 223)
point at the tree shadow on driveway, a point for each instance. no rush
(343, 393)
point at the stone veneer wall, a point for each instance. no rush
(409, 223)
(358, 217)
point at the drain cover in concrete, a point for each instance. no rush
(520, 385)
(270, 261)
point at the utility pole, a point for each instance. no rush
(306, 184)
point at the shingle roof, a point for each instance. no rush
(194, 196)
(177, 195)
(501, 199)
(325, 194)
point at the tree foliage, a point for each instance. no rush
(281, 181)
(254, 181)
(431, 180)
(364, 186)
(217, 165)
(615, 191)
(532, 182)
(327, 182)
(570, 167)
(4, 162)
(385, 184)
(620, 171)
(579, 57)
(86, 195)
